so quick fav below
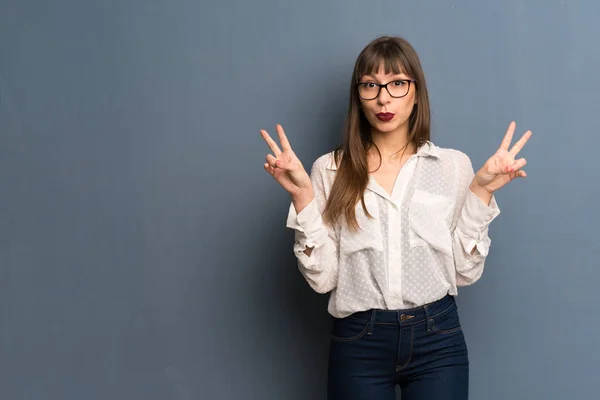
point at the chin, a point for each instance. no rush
(386, 127)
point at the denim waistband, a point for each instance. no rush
(407, 316)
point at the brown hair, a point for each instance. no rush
(352, 178)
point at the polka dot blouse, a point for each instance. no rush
(425, 240)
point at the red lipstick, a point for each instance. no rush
(385, 116)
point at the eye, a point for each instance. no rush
(399, 83)
(370, 85)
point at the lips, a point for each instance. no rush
(385, 116)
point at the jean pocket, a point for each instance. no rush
(447, 322)
(349, 329)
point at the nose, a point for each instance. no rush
(384, 97)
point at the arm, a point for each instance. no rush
(477, 206)
(470, 238)
(316, 245)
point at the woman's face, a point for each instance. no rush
(385, 113)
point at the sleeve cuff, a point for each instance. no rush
(307, 224)
(475, 219)
(482, 245)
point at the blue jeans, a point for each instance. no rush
(422, 350)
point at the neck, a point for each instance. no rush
(393, 143)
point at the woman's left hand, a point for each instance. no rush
(503, 166)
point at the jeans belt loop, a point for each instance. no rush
(371, 322)
(429, 319)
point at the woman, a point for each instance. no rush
(391, 225)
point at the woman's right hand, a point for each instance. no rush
(286, 168)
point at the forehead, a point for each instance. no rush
(381, 69)
(382, 73)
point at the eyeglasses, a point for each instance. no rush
(370, 90)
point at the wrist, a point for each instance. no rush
(302, 198)
(481, 192)
(475, 187)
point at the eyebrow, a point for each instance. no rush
(395, 77)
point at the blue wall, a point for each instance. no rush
(143, 249)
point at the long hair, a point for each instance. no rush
(352, 178)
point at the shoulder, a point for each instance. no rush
(448, 155)
(325, 162)
(455, 164)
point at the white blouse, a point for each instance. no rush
(426, 239)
